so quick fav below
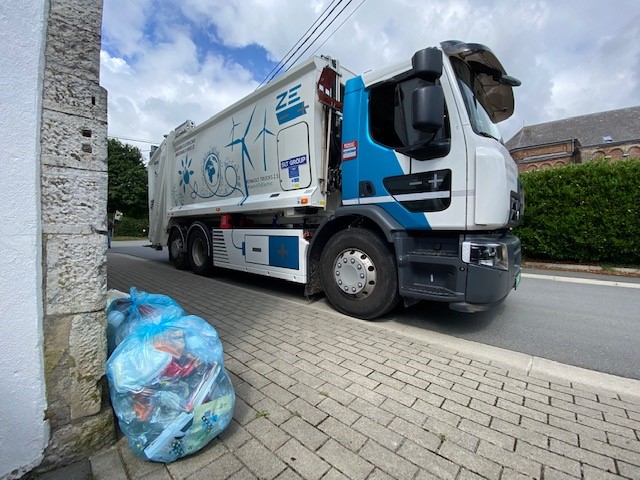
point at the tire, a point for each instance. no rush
(363, 255)
(199, 251)
(177, 254)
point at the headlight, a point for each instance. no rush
(487, 254)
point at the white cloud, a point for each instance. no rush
(123, 24)
(573, 57)
(167, 84)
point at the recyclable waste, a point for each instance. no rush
(125, 313)
(168, 385)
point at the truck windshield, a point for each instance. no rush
(474, 96)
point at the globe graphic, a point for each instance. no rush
(211, 167)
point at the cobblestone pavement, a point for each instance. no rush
(321, 395)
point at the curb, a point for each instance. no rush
(597, 269)
(578, 377)
(586, 281)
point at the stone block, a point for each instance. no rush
(267, 433)
(384, 436)
(305, 462)
(73, 50)
(82, 14)
(198, 461)
(259, 460)
(460, 456)
(107, 465)
(75, 353)
(73, 201)
(69, 93)
(65, 144)
(76, 276)
(57, 364)
(80, 439)
(388, 461)
(343, 434)
(419, 435)
(88, 350)
(277, 414)
(344, 460)
(310, 437)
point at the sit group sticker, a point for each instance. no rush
(293, 166)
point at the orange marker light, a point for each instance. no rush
(304, 200)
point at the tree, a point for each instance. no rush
(128, 188)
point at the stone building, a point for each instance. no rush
(612, 135)
(53, 195)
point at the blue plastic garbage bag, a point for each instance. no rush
(169, 388)
(126, 313)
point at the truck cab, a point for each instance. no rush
(424, 160)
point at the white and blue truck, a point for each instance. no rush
(374, 189)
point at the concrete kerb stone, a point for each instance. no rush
(589, 281)
(588, 379)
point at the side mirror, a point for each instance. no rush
(427, 64)
(427, 108)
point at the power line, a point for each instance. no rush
(301, 41)
(320, 35)
(310, 35)
(338, 27)
(132, 139)
(285, 58)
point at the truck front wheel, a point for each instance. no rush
(358, 272)
(177, 255)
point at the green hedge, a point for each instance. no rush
(131, 227)
(587, 213)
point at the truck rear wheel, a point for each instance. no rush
(177, 254)
(359, 275)
(199, 251)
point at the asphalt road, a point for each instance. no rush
(583, 324)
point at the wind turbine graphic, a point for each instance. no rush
(233, 129)
(245, 151)
(264, 132)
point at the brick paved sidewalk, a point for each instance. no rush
(321, 395)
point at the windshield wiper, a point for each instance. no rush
(488, 135)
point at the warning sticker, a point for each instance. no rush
(349, 150)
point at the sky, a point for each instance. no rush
(165, 61)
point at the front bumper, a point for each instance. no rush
(439, 274)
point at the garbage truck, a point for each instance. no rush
(376, 189)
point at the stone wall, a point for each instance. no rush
(611, 151)
(73, 197)
(563, 153)
(546, 156)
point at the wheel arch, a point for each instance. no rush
(371, 217)
(182, 231)
(198, 225)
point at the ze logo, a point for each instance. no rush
(290, 105)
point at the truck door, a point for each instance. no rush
(293, 157)
(432, 182)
